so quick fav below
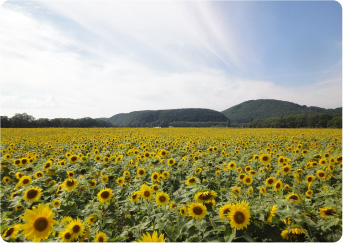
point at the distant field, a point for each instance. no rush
(185, 184)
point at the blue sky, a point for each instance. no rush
(99, 58)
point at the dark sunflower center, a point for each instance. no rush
(162, 199)
(294, 197)
(239, 217)
(242, 177)
(92, 183)
(17, 162)
(155, 177)
(248, 180)
(41, 224)
(67, 235)
(321, 174)
(197, 210)
(309, 179)
(32, 193)
(192, 180)
(134, 196)
(265, 158)
(270, 181)
(226, 211)
(101, 239)
(329, 212)
(141, 172)
(286, 169)
(9, 232)
(205, 196)
(105, 194)
(73, 158)
(147, 194)
(70, 183)
(278, 185)
(155, 188)
(26, 181)
(76, 229)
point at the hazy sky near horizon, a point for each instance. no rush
(99, 58)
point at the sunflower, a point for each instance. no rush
(18, 175)
(155, 187)
(38, 174)
(224, 211)
(236, 191)
(155, 176)
(310, 178)
(92, 183)
(263, 190)
(75, 227)
(197, 210)
(270, 181)
(247, 180)
(100, 237)
(162, 198)
(39, 222)
(65, 236)
(91, 219)
(73, 159)
(309, 193)
(286, 169)
(32, 194)
(141, 172)
(184, 211)
(241, 177)
(294, 197)
(105, 195)
(104, 179)
(166, 174)
(265, 158)
(56, 203)
(120, 180)
(205, 196)
(326, 211)
(231, 165)
(146, 192)
(152, 238)
(239, 215)
(97, 158)
(321, 174)
(70, 173)
(70, 184)
(135, 196)
(191, 180)
(271, 214)
(6, 179)
(11, 232)
(198, 171)
(25, 180)
(278, 185)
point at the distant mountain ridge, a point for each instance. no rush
(250, 110)
(238, 115)
(177, 117)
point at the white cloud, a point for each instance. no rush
(119, 57)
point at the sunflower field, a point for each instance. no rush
(171, 184)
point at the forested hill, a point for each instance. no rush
(266, 108)
(173, 117)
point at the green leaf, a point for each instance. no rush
(229, 235)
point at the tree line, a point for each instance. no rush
(27, 121)
(299, 121)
